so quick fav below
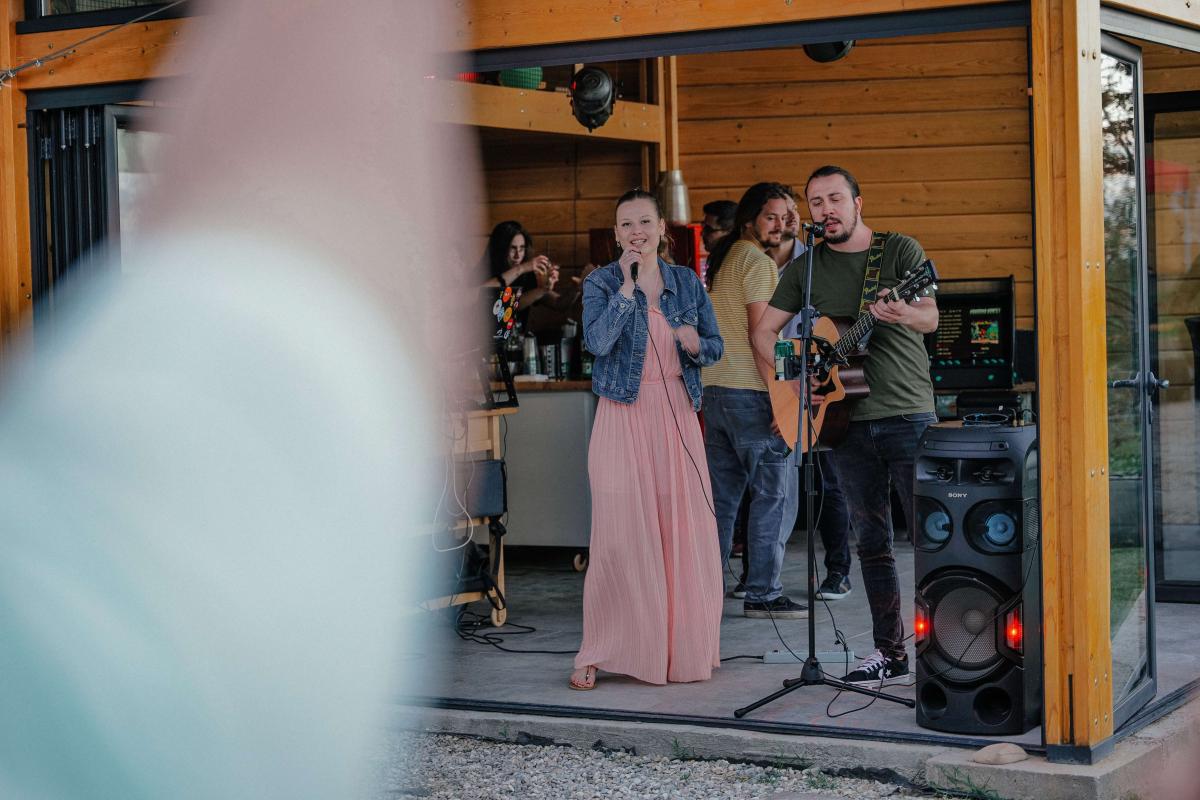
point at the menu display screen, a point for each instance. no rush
(974, 341)
(969, 334)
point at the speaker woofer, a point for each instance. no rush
(934, 523)
(993, 526)
(966, 614)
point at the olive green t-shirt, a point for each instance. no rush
(897, 365)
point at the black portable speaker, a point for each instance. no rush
(978, 602)
(481, 487)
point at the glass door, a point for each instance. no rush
(1129, 381)
(1173, 195)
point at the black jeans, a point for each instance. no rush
(834, 521)
(876, 455)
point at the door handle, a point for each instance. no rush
(1155, 382)
(1126, 383)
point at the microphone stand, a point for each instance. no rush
(812, 674)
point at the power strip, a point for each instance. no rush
(832, 658)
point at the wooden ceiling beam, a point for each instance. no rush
(138, 52)
(488, 24)
(1184, 12)
(487, 106)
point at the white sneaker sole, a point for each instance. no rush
(898, 680)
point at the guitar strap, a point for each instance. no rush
(871, 278)
(874, 264)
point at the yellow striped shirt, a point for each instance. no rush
(747, 275)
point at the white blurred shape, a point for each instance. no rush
(208, 474)
(202, 490)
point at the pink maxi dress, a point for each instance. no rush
(652, 597)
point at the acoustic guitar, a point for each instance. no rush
(837, 355)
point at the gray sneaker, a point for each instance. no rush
(834, 587)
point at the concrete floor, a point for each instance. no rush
(545, 593)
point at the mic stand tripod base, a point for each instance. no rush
(813, 675)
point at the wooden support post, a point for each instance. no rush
(670, 106)
(14, 187)
(1072, 388)
(645, 87)
(664, 155)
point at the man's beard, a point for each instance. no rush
(844, 236)
(764, 240)
(789, 236)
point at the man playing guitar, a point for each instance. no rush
(853, 271)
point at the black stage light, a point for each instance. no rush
(824, 52)
(592, 97)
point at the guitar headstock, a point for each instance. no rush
(920, 281)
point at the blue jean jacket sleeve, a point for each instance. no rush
(712, 346)
(604, 315)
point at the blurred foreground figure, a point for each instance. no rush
(212, 474)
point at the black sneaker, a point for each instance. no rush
(779, 608)
(738, 592)
(877, 670)
(834, 587)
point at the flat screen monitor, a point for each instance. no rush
(973, 345)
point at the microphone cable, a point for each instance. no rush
(707, 500)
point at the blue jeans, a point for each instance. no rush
(876, 455)
(743, 453)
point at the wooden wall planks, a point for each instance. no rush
(556, 186)
(936, 129)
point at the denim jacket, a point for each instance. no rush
(616, 335)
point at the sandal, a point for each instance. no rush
(589, 680)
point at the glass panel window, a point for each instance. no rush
(139, 154)
(50, 7)
(1127, 370)
(1174, 194)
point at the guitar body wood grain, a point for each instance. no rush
(830, 419)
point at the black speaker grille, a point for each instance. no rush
(1032, 524)
(964, 629)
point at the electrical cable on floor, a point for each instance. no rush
(839, 637)
(467, 625)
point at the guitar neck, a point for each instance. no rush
(853, 337)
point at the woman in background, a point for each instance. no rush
(511, 263)
(652, 596)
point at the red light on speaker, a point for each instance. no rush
(1014, 631)
(921, 625)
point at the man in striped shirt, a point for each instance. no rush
(743, 446)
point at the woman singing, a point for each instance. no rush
(652, 597)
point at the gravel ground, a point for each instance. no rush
(451, 768)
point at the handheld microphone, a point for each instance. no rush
(633, 269)
(815, 228)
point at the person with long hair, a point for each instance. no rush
(652, 596)
(745, 452)
(510, 262)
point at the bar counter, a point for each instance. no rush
(549, 503)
